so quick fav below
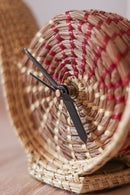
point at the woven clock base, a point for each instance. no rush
(91, 50)
(79, 184)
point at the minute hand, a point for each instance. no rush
(76, 120)
(43, 71)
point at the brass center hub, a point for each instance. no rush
(70, 88)
(58, 93)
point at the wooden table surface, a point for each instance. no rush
(14, 177)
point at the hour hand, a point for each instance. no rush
(43, 82)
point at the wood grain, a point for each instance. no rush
(14, 177)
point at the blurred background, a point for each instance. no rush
(46, 9)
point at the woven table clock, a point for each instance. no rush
(69, 100)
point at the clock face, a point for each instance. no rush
(75, 52)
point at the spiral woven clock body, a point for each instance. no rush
(89, 50)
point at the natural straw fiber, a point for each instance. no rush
(91, 50)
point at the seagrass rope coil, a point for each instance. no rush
(90, 50)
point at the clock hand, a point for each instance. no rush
(74, 115)
(42, 82)
(76, 120)
(43, 71)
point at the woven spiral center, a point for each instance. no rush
(79, 48)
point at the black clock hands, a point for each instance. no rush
(42, 82)
(43, 71)
(62, 92)
(76, 120)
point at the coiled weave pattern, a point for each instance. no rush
(90, 49)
